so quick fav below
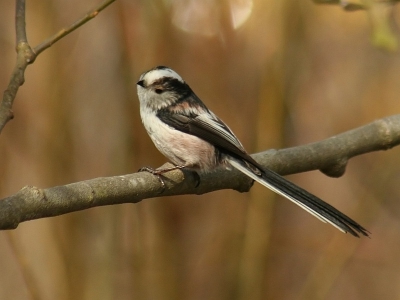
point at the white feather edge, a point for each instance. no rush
(260, 180)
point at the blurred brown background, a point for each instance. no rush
(280, 73)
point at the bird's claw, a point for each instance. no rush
(155, 173)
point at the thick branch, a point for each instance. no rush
(330, 155)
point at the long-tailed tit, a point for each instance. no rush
(193, 137)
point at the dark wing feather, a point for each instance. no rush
(210, 128)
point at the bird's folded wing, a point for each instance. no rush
(210, 128)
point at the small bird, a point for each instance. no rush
(192, 137)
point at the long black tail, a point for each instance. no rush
(306, 200)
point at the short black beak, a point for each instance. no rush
(141, 83)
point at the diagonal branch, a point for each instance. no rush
(26, 55)
(78, 23)
(330, 155)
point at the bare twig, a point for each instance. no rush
(330, 155)
(20, 22)
(63, 32)
(26, 55)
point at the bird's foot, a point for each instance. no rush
(159, 172)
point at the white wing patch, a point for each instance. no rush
(217, 126)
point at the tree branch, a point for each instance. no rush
(26, 55)
(63, 32)
(330, 155)
(20, 22)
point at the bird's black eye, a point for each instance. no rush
(141, 83)
(159, 91)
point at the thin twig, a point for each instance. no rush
(330, 155)
(63, 32)
(20, 22)
(26, 55)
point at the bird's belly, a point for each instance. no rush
(181, 148)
